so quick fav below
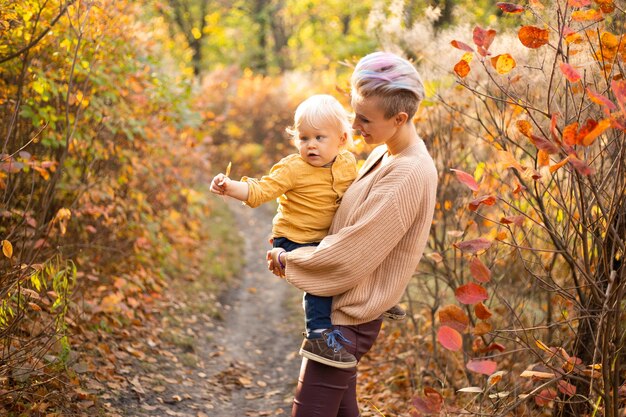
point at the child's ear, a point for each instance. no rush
(344, 139)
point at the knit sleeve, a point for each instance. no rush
(341, 260)
(269, 187)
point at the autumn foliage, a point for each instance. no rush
(524, 286)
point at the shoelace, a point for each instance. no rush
(333, 343)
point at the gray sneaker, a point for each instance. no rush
(328, 350)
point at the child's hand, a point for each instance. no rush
(219, 185)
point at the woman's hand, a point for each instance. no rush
(220, 183)
(273, 262)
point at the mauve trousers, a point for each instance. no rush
(325, 391)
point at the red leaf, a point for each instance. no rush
(510, 7)
(566, 388)
(493, 346)
(533, 37)
(601, 100)
(570, 72)
(590, 124)
(453, 316)
(580, 166)
(471, 293)
(482, 366)
(545, 396)
(516, 220)
(430, 403)
(466, 179)
(482, 312)
(462, 46)
(487, 200)
(483, 38)
(619, 89)
(450, 338)
(553, 131)
(474, 245)
(479, 270)
(544, 144)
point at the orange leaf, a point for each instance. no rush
(462, 46)
(586, 15)
(533, 37)
(590, 124)
(7, 248)
(510, 7)
(482, 328)
(524, 127)
(590, 137)
(570, 72)
(543, 158)
(503, 63)
(578, 3)
(479, 270)
(553, 130)
(471, 293)
(507, 160)
(569, 134)
(558, 165)
(517, 220)
(466, 179)
(449, 338)
(482, 367)
(462, 68)
(482, 312)
(453, 316)
(607, 6)
(487, 200)
(601, 100)
(474, 245)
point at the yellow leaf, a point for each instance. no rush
(7, 248)
(503, 63)
(543, 346)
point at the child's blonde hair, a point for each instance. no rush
(319, 110)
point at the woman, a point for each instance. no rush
(377, 236)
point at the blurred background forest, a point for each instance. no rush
(114, 115)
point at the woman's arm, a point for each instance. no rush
(343, 259)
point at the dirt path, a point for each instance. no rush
(244, 364)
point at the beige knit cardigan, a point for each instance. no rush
(376, 239)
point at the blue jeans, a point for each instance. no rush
(316, 309)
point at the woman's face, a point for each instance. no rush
(370, 121)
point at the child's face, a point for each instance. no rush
(319, 146)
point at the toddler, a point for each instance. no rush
(309, 186)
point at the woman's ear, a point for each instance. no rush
(401, 118)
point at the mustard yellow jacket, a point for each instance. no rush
(307, 196)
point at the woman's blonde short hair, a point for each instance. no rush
(322, 110)
(390, 77)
